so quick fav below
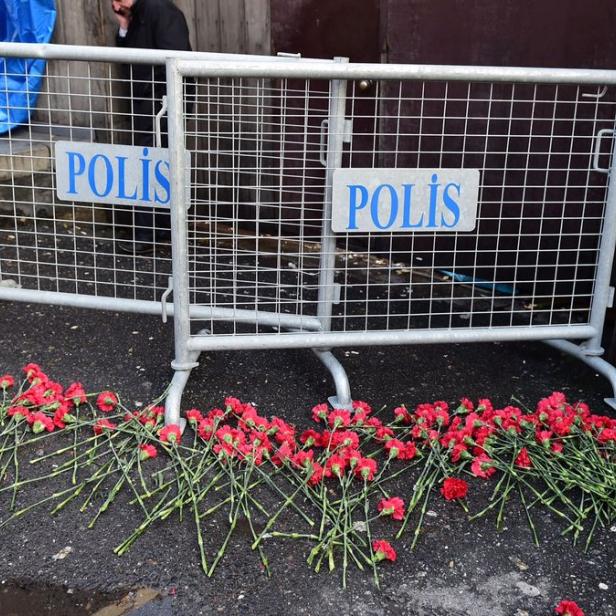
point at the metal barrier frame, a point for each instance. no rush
(314, 332)
(188, 348)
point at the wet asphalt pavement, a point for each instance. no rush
(458, 569)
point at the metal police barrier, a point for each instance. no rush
(74, 177)
(316, 204)
(390, 204)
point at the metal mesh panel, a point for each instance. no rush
(52, 245)
(258, 191)
(255, 221)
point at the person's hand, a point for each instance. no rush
(122, 15)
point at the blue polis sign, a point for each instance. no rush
(406, 200)
(122, 174)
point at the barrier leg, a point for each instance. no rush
(173, 401)
(342, 399)
(596, 363)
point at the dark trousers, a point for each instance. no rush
(144, 224)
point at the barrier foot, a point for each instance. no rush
(599, 364)
(173, 401)
(342, 399)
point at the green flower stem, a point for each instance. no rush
(418, 490)
(21, 512)
(531, 524)
(126, 468)
(145, 524)
(369, 535)
(288, 500)
(16, 470)
(75, 465)
(422, 514)
(191, 491)
(246, 509)
(97, 477)
(223, 547)
(276, 533)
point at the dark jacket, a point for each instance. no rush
(155, 24)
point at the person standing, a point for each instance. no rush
(148, 24)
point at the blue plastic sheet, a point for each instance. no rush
(22, 21)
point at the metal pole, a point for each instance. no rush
(603, 290)
(184, 360)
(327, 262)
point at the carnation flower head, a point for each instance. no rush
(233, 404)
(393, 507)
(335, 465)
(106, 401)
(569, 608)
(365, 469)
(310, 438)
(483, 466)
(34, 373)
(103, 426)
(523, 459)
(147, 451)
(40, 422)
(402, 415)
(75, 393)
(18, 412)
(193, 417)
(394, 448)
(339, 418)
(320, 412)
(383, 550)
(316, 474)
(454, 488)
(6, 381)
(170, 434)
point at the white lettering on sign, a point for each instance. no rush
(409, 200)
(122, 174)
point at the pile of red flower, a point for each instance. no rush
(560, 455)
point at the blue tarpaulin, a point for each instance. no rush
(22, 21)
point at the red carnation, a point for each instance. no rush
(339, 418)
(62, 416)
(170, 434)
(607, 435)
(401, 414)
(310, 438)
(102, 425)
(40, 422)
(6, 381)
(359, 406)
(393, 507)
(147, 451)
(409, 451)
(206, 429)
(382, 550)
(193, 417)
(75, 393)
(20, 412)
(106, 401)
(233, 404)
(394, 447)
(365, 469)
(319, 412)
(335, 465)
(454, 488)
(483, 466)
(569, 608)
(316, 475)
(523, 460)
(33, 371)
